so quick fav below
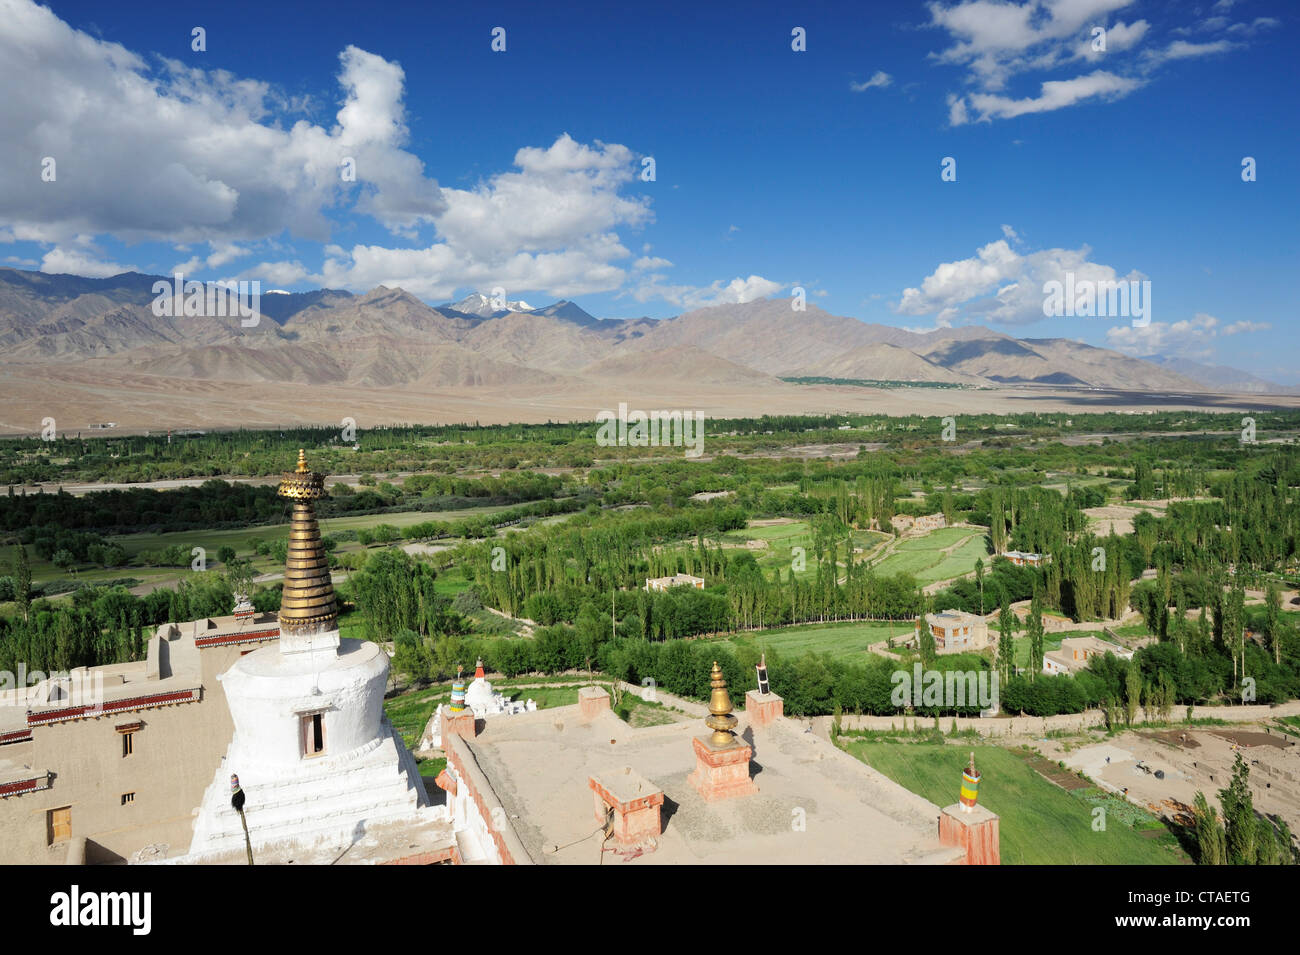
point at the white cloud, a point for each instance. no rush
(1245, 328)
(879, 79)
(1000, 285)
(1189, 338)
(737, 291)
(157, 150)
(222, 253)
(996, 41)
(1255, 26)
(62, 260)
(549, 227)
(647, 262)
(1183, 50)
(1054, 95)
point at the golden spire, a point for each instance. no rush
(720, 719)
(308, 604)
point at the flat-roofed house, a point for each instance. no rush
(115, 758)
(955, 631)
(676, 580)
(1075, 653)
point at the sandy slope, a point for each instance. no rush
(77, 395)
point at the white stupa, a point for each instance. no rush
(479, 698)
(317, 760)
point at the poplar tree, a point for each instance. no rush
(1006, 640)
(1035, 631)
(22, 581)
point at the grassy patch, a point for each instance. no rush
(409, 712)
(846, 641)
(1041, 824)
(636, 712)
(430, 768)
(926, 558)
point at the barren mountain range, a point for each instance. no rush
(93, 349)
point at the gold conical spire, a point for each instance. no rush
(307, 605)
(720, 719)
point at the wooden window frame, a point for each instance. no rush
(52, 827)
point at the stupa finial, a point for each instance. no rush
(307, 604)
(720, 718)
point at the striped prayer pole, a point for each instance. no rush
(970, 786)
(458, 694)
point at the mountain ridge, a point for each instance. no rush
(389, 338)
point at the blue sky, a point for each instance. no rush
(773, 168)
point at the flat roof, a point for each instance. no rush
(815, 804)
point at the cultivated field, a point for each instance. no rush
(1041, 823)
(940, 555)
(848, 641)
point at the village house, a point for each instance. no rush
(662, 584)
(1075, 653)
(954, 631)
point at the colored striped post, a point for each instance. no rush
(458, 694)
(970, 786)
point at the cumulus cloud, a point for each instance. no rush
(997, 40)
(879, 79)
(156, 150)
(1189, 338)
(737, 291)
(86, 261)
(999, 284)
(550, 226)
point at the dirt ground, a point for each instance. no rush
(1202, 762)
(77, 393)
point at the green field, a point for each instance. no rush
(239, 539)
(782, 538)
(409, 712)
(847, 641)
(1051, 641)
(928, 560)
(1041, 824)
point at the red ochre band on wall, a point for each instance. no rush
(115, 706)
(228, 639)
(22, 786)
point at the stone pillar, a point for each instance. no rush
(592, 700)
(721, 772)
(975, 830)
(763, 709)
(635, 802)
